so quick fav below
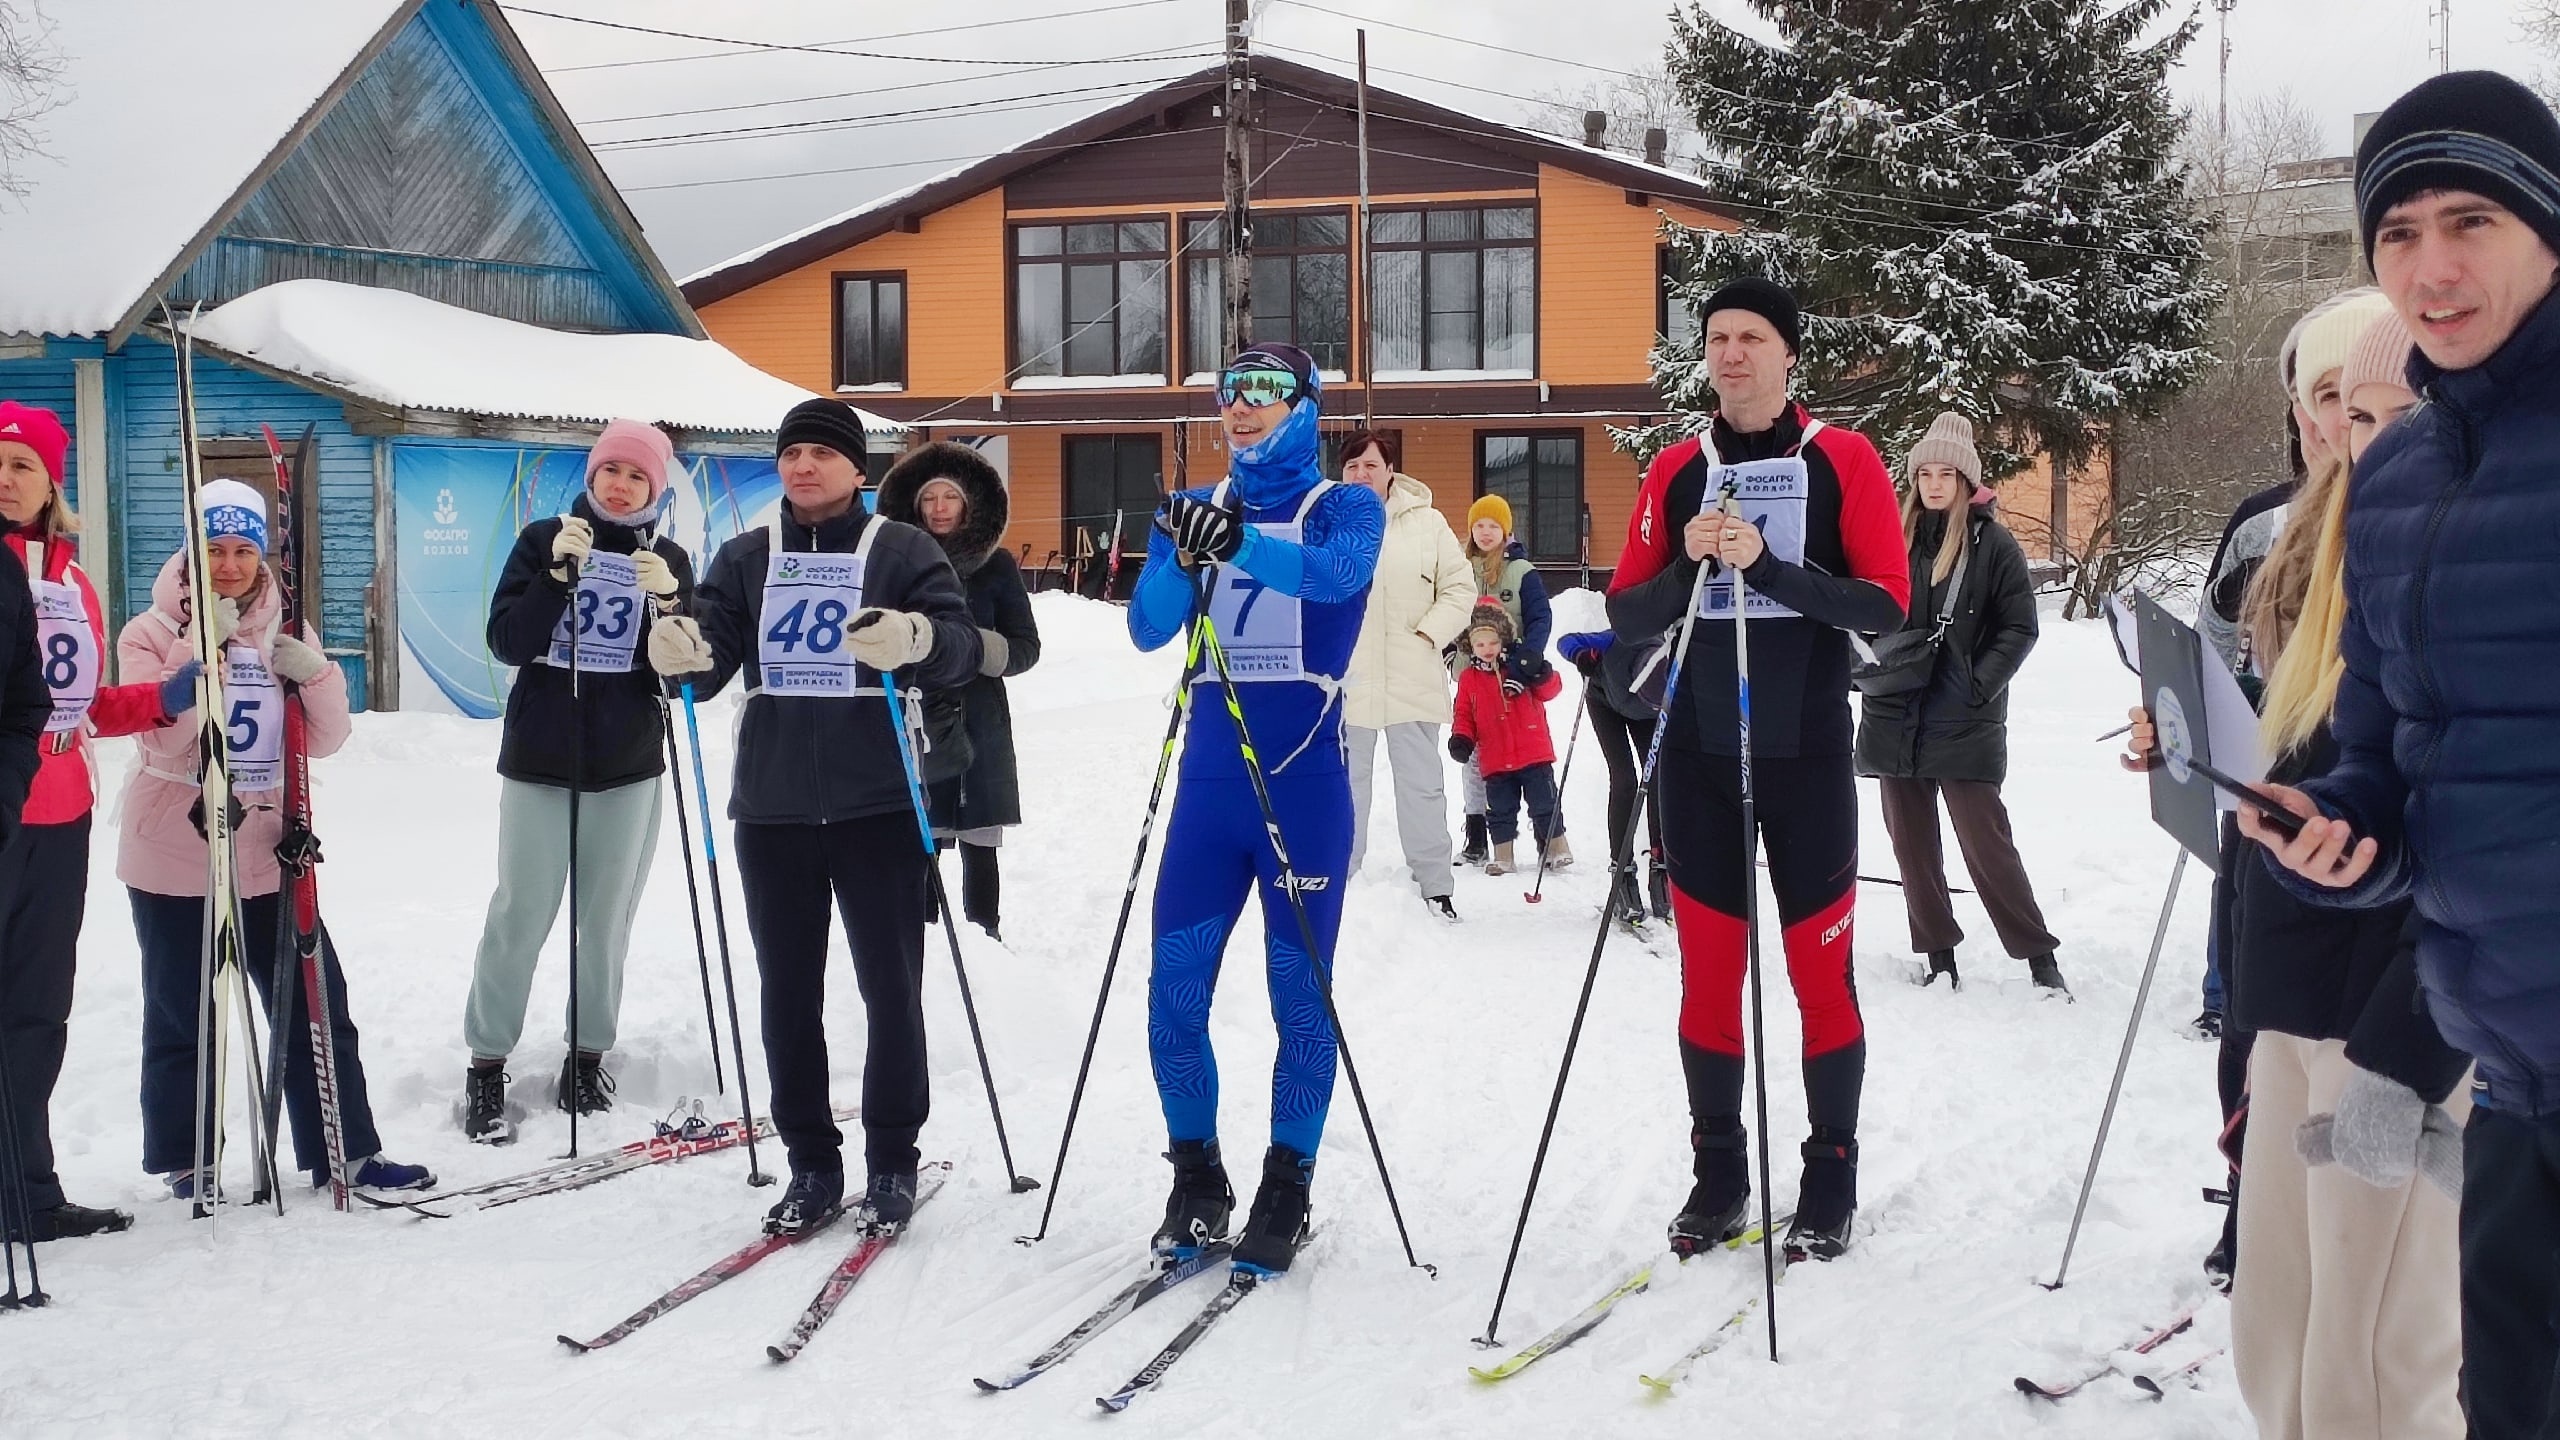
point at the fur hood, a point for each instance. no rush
(981, 527)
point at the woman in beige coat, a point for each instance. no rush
(1399, 688)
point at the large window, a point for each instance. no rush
(1113, 475)
(1540, 474)
(1089, 299)
(871, 330)
(1454, 290)
(1674, 319)
(1301, 287)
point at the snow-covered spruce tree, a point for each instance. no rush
(1979, 203)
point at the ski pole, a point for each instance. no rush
(1298, 908)
(692, 894)
(574, 1075)
(17, 1207)
(1572, 742)
(2124, 1058)
(720, 927)
(1599, 944)
(1180, 706)
(1751, 931)
(1021, 1183)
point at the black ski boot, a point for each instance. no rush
(811, 1199)
(1440, 908)
(584, 1085)
(1943, 962)
(1479, 843)
(484, 1106)
(1658, 887)
(1714, 1212)
(67, 1221)
(1278, 1224)
(1827, 1199)
(1626, 905)
(2046, 974)
(1202, 1202)
(891, 1196)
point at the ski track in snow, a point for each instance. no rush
(1978, 1114)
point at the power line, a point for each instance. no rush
(860, 40)
(1037, 100)
(836, 50)
(911, 164)
(1141, 57)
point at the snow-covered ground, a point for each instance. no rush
(1979, 1110)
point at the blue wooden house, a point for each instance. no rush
(387, 235)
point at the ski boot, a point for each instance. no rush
(1202, 1203)
(1277, 1225)
(585, 1088)
(2207, 1025)
(1942, 962)
(2046, 974)
(1713, 1214)
(1440, 908)
(891, 1196)
(811, 1199)
(1473, 852)
(1626, 905)
(1826, 1199)
(1502, 862)
(1658, 887)
(484, 1105)
(67, 1221)
(379, 1174)
(1559, 854)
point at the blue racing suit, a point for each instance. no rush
(1287, 612)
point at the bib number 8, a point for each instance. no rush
(62, 661)
(822, 628)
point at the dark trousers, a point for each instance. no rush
(1622, 741)
(873, 869)
(2510, 1275)
(171, 931)
(1505, 793)
(981, 885)
(44, 889)
(1990, 856)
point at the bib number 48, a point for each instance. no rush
(821, 627)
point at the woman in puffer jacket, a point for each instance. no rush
(1398, 689)
(162, 856)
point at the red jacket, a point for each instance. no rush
(1510, 732)
(64, 788)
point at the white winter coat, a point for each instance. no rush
(1417, 604)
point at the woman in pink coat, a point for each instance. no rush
(163, 862)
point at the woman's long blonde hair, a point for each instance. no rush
(1951, 548)
(2296, 610)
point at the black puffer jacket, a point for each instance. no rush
(989, 792)
(622, 740)
(1957, 728)
(809, 761)
(25, 703)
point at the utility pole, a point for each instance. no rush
(1236, 261)
(1360, 248)
(2441, 12)
(2222, 111)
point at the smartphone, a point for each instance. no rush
(2284, 822)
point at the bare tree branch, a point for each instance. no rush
(31, 73)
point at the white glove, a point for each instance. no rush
(2383, 1133)
(295, 661)
(994, 653)
(676, 647)
(226, 619)
(656, 576)
(889, 639)
(569, 548)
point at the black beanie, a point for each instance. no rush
(2472, 130)
(1765, 298)
(831, 423)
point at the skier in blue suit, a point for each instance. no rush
(1286, 557)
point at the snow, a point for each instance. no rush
(1979, 1110)
(1088, 382)
(1418, 377)
(407, 350)
(138, 155)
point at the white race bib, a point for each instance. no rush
(253, 730)
(1262, 630)
(68, 649)
(606, 609)
(1771, 494)
(809, 598)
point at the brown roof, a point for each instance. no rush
(879, 217)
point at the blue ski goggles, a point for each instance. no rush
(1258, 387)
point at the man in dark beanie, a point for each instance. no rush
(820, 608)
(2447, 718)
(1818, 543)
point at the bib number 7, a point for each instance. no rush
(1252, 590)
(821, 627)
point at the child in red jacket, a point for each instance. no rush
(1500, 719)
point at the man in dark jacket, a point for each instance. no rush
(819, 608)
(1819, 546)
(2448, 717)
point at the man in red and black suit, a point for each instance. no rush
(1819, 545)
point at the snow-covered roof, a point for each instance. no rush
(404, 350)
(166, 108)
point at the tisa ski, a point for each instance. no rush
(719, 1272)
(2156, 1386)
(1589, 1317)
(2065, 1389)
(682, 1141)
(1663, 1381)
(1161, 1278)
(1240, 1283)
(877, 1237)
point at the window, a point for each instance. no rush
(1301, 287)
(1540, 474)
(1454, 289)
(1089, 299)
(871, 330)
(1111, 475)
(1674, 320)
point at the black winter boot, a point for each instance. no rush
(2046, 974)
(811, 1199)
(1278, 1224)
(1658, 887)
(1202, 1203)
(1827, 1199)
(584, 1085)
(1626, 904)
(484, 1105)
(891, 1196)
(1713, 1214)
(1479, 842)
(1943, 962)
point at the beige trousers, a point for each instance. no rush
(2346, 1318)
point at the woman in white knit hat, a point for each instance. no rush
(1947, 732)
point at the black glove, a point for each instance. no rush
(1200, 531)
(1512, 689)
(1587, 660)
(1461, 749)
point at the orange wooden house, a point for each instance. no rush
(1058, 304)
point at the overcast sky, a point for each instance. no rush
(2337, 58)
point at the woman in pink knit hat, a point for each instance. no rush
(579, 593)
